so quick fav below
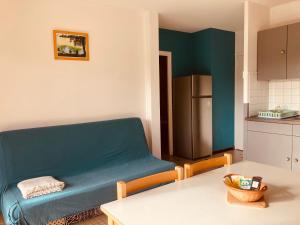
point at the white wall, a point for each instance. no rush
(151, 70)
(239, 116)
(36, 90)
(257, 17)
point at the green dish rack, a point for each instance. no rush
(277, 114)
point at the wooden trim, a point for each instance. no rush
(170, 98)
(187, 171)
(180, 175)
(123, 189)
(191, 169)
(86, 58)
(228, 159)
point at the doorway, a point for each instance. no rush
(166, 120)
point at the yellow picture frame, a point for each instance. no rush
(69, 45)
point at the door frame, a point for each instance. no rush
(170, 97)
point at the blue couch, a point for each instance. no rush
(88, 157)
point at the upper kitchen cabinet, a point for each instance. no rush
(271, 54)
(293, 56)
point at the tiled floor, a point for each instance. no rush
(101, 220)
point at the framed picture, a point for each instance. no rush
(70, 45)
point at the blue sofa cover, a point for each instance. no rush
(88, 157)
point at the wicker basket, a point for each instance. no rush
(246, 195)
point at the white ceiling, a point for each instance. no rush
(195, 15)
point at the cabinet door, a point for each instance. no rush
(296, 154)
(271, 53)
(273, 149)
(293, 53)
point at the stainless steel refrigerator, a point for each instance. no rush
(192, 116)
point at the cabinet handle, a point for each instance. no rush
(296, 160)
(282, 51)
(287, 159)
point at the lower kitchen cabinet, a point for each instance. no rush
(274, 144)
(296, 154)
(268, 148)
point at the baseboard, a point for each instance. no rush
(223, 150)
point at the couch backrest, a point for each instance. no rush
(69, 149)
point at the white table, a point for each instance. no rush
(201, 200)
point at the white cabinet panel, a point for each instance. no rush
(274, 128)
(296, 130)
(296, 154)
(273, 149)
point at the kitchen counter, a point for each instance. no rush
(292, 120)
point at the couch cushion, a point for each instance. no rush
(69, 149)
(83, 191)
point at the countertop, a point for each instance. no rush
(292, 120)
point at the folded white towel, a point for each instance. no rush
(40, 186)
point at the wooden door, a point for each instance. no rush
(271, 54)
(164, 118)
(293, 54)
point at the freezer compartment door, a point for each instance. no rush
(201, 85)
(202, 127)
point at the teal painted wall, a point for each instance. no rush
(210, 51)
(180, 44)
(222, 68)
(202, 52)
